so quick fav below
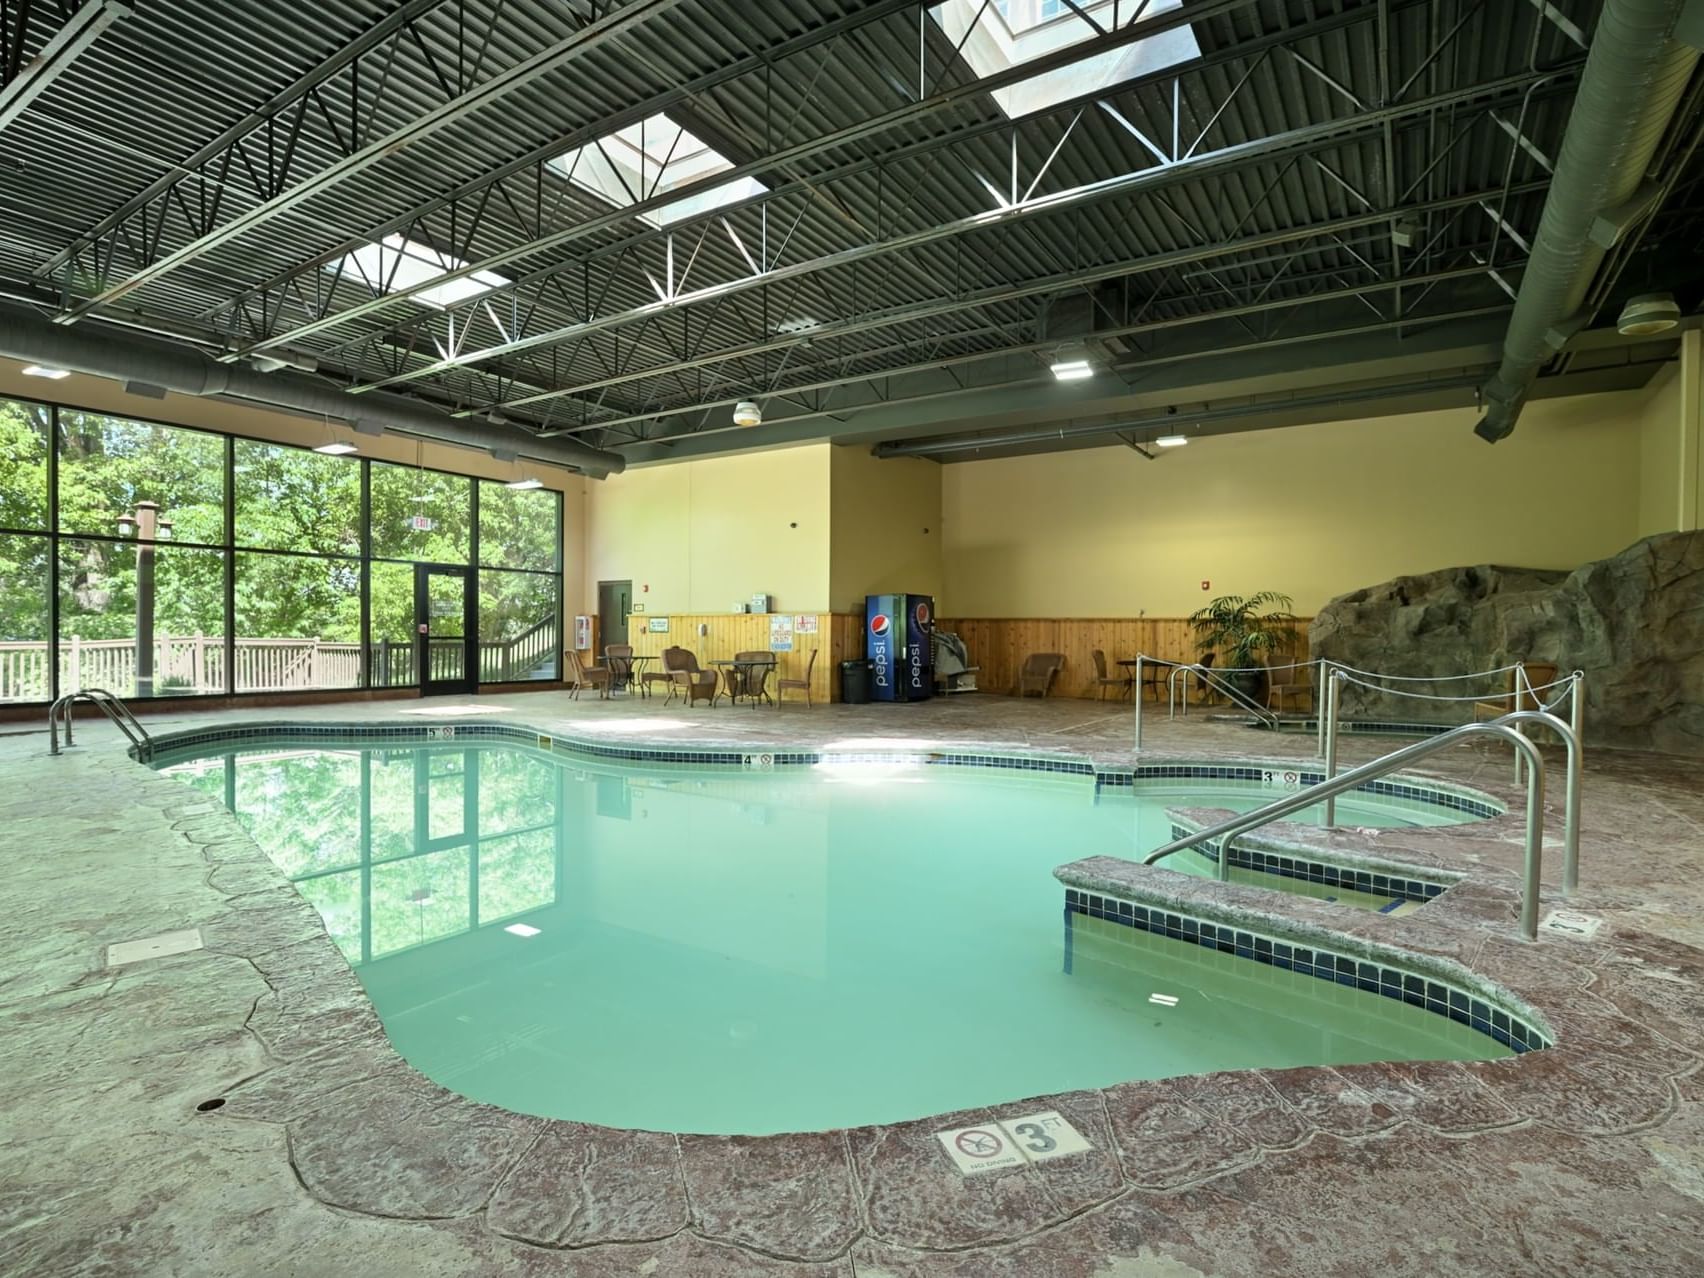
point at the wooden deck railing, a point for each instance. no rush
(196, 663)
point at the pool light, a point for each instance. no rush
(522, 929)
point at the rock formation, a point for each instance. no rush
(1633, 623)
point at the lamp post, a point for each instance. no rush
(148, 529)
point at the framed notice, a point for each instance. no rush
(780, 634)
(659, 625)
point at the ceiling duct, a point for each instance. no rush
(1077, 316)
(106, 353)
(1635, 76)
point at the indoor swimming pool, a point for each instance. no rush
(729, 951)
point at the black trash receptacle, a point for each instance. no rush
(855, 682)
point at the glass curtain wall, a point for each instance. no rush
(155, 560)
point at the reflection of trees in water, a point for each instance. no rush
(304, 808)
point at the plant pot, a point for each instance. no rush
(1250, 684)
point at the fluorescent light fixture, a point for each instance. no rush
(337, 449)
(1171, 441)
(1073, 370)
(522, 929)
(1164, 1000)
(524, 485)
(43, 370)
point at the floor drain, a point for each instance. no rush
(209, 1106)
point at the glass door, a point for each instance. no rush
(445, 627)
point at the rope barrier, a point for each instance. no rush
(1478, 674)
(1479, 696)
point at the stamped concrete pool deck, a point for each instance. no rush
(326, 1154)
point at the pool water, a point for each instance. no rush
(729, 952)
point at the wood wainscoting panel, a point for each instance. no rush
(999, 645)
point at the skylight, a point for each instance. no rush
(1013, 32)
(396, 263)
(652, 158)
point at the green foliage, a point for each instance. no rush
(1245, 628)
(284, 500)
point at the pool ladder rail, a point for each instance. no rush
(109, 705)
(1330, 788)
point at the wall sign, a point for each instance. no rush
(659, 625)
(780, 634)
(805, 623)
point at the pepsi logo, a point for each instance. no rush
(922, 614)
(879, 624)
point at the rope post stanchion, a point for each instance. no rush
(1331, 694)
(1319, 706)
(1577, 708)
(1137, 745)
(1523, 686)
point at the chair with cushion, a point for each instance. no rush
(681, 665)
(1103, 681)
(1039, 671)
(584, 674)
(800, 685)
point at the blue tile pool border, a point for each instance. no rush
(1309, 958)
(1410, 884)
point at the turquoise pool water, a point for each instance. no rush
(721, 951)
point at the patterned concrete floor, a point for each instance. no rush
(328, 1155)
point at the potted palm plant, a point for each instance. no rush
(1243, 629)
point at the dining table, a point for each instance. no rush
(1156, 664)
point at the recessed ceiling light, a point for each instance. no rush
(524, 485)
(1171, 441)
(42, 370)
(336, 449)
(521, 929)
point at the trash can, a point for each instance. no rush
(855, 682)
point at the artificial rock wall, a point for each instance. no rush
(1633, 622)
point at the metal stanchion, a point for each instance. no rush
(1138, 692)
(1332, 692)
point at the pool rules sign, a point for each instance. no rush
(1012, 1142)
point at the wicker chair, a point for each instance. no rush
(1103, 681)
(681, 666)
(619, 657)
(754, 678)
(649, 677)
(1039, 671)
(583, 674)
(801, 685)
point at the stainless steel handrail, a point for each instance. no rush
(109, 705)
(1225, 831)
(1207, 677)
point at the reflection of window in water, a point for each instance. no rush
(440, 843)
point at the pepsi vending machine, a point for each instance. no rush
(899, 640)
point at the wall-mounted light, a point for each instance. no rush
(747, 413)
(1071, 363)
(1171, 441)
(44, 370)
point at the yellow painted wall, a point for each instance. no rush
(99, 395)
(1660, 484)
(886, 527)
(1312, 511)
(703, 534)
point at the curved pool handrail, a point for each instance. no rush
(1228, 829)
